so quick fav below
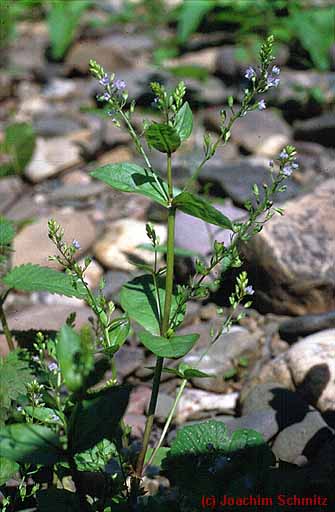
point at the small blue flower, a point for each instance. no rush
(54, 417)
(119, 84)
(250, 73)
(276, 70)
(272, 81)
(52, 367)
(283, 154)
(106, 96)
(104, 80)
(249, 290)
(287, 169)
(295, 165)
(261, 105)
(76, 244)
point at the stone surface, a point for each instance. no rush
(51, 157)
(302, 439)
(291, 262)
(320, 129)
(42, 317)
(205, 58)
(32, 245)
(222, 356)
(296, 84)
(263, 421)
(206, 233)
(10, 189)
(290, 330)
(110, 57)
(236, 179)
(127, 360)
(121, 240)
(196, 401)
(164, 406)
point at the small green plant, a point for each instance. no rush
(17, 148)
(63, 414)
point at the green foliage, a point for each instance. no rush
(221, 460)
(191, 14)
(18, 146)
(185, 371)
(31, 278)
(174, 347)
(7, 231)
(7, 469)
(96, 458)
(183, 122)
(163, 137)
(42, 414)
(75, 357)
(15, 374)
(96, 418)
(199, 207)
(118, 332)
(29, 443)
(63, 19)
(128, 177)
(139, 298)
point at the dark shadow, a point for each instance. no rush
(289, 406)
(314, 383)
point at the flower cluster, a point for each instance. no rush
(272, 79)
(287, 161)
(114, 89)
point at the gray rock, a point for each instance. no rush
(291, 330)
(302, 439)
(291, 262)
(127, 360)
(295, 86)
(263, 421)
(236, 179)
(56, 124)
(164, 406)
(222, 356)
(115, 279)
(319, 129)
(10, 189)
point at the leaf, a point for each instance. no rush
(75, 357)
(43, 414)
(138, 297)
(19, 144)
(63, 19)
(14, 375)
(132, 178)
(162, 137)
(29, 443)
(7, 231)
(118, 332)
(7, 469)
(187, 372)
(191, 14)
(58, 500)
(184, 122)
(174, 347)
(97, 417)
(96, 458)
(33, 278)
(160, 455)
(198, 207)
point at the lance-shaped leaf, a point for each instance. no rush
(163, 137)
(29, 443)
(34, 278)
(198, 207)
(174, 347)
(184, 122)
(139, 298)
(118, 332)
(7, 231)
(7, 469)
(129, 177)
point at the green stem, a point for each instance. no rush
(165, 322)
(6, 330)
(168, 422)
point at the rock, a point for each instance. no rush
(60, 89)
(127, 360)
(11, 188)
(295, 86)
(32, 245)
(263, 421)
(51, 157)
(236, 179)
(137, 424)
(222, 357)
(42, 317)
(213, 93)
(121, 241)
(26, 207)
(115, 279)
(290, 330)
(195, 402)
(138, 400)
(93, 274)
(110, 57)
(291, 262)
(227, 64)
(263, 133)
(74, 194)
(304, 438)
(164, 406)
(27, 52)
(206, 233)
(312, 365)
(56, 124)
(116, 156)
(114, 136)
(205, 58)
(320, 129)
(276, 371)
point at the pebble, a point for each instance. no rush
(11, 188)
(290, 330)
(121, 241)
(196, 401)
